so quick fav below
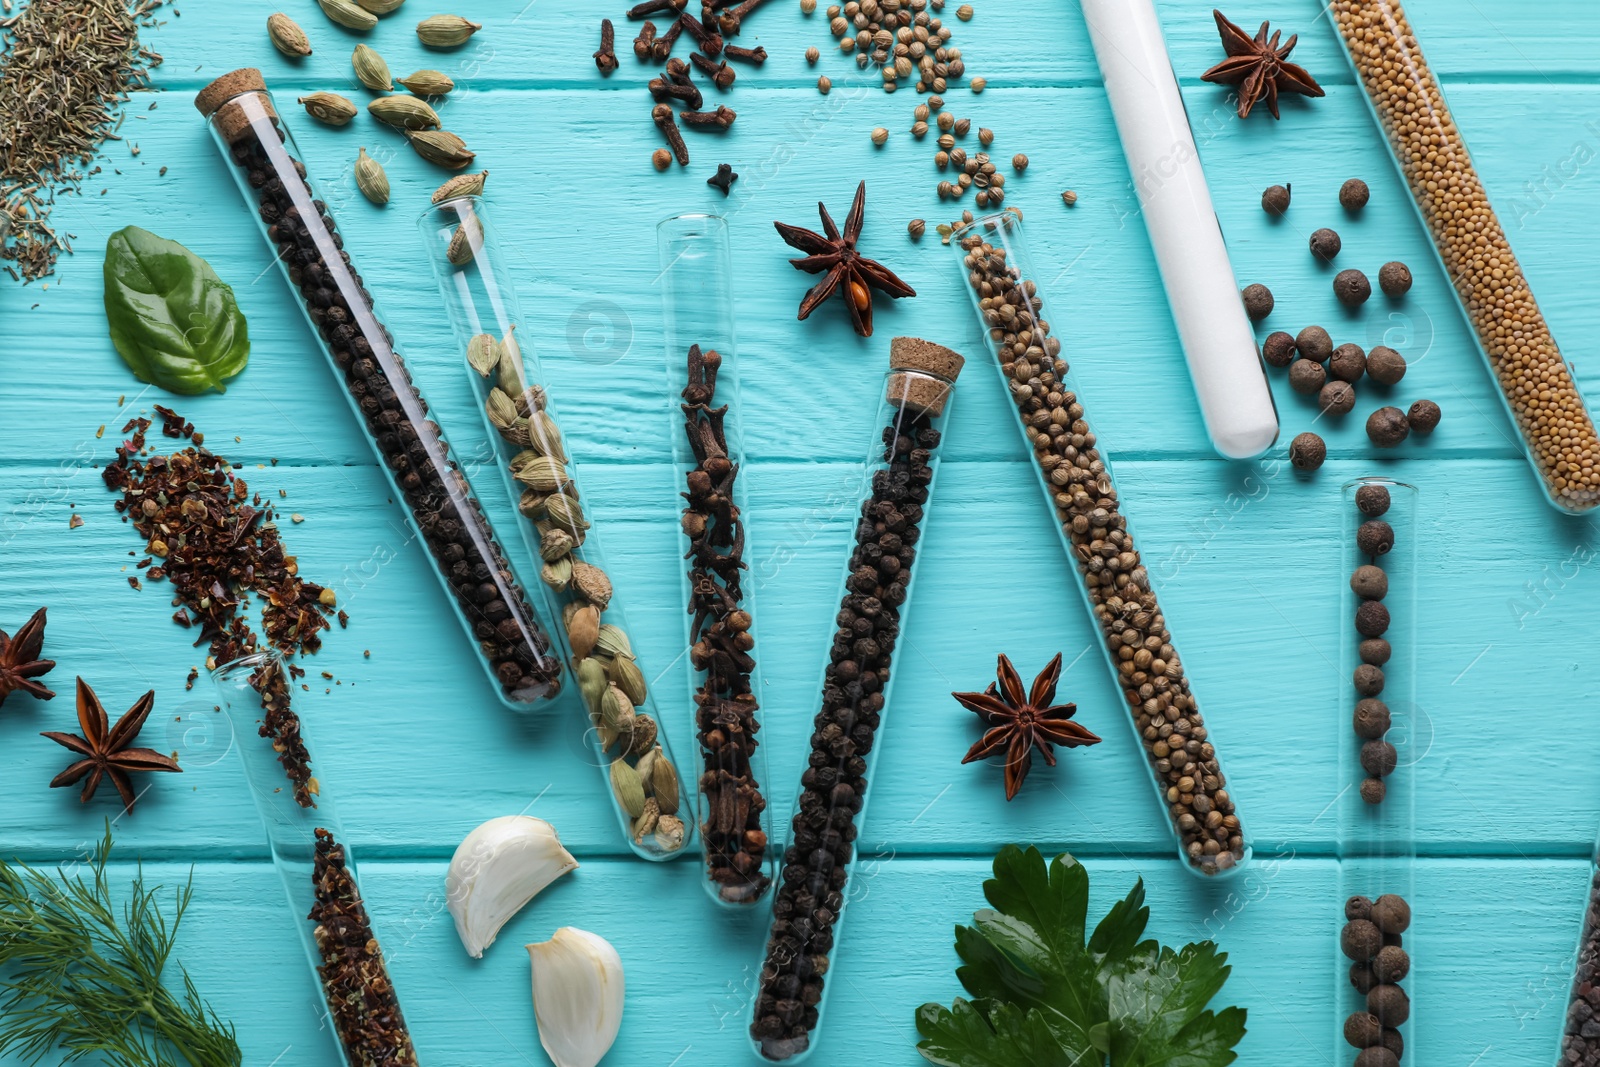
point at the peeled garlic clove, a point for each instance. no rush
(501, 866)
(577, 996)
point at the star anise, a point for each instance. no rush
(1018, 722)
(846, 269)
(1260, 67)
(20, 662)
(104, 748)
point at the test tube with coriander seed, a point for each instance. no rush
(820, 857)
(1384, 736)
(512, 644)
(1075, 475)
(697, 286)
(628, 738)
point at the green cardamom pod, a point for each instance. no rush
(446, 31)
(555, 544)
(626, 676)
(462, 185)
(565, 513)
(545, 475)
(483, 352)
(441, 147)
(592, 684)
(331, 108)
(557, 574)
(628, 788)
(371, 70)
(613, 706)
(287, 36)
(348, 15)
(522, 459)
(664, 779)
(643, 737)
(501, 411)
(459, 252)
(647, 763)
(612, 641)
(592, 584)
(546, 436)
(429, 83)
(404, 112)
(532, 506)
(381, 7)
(508, 372)
(645, 825)
(371, 180)
(670, 834)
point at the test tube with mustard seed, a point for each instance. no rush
(1537, 387)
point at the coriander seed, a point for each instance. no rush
(1257, 298)
(1423, 416)
(979, 84)
(946, 121)
(1275, 200)
(941, 159)
(661, 158)
(1278, 349)
(985, 136)
(919, 130)
(1348, 363)
(813, 54)
(824, 84)
(1307, 377)
(1337, 398)
(1387, 427)
(964, 12)
(1019, 163)
(1385, 366)
(1352, 288)
(916, 228)
(1394, 278)
(963, 127)
(880, 136)
(1354, 194)
(1313, 343)
(1325, 244)
(808, 6)
(1069, 198)
(1307, 451)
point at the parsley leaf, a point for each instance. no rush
(1048, 996)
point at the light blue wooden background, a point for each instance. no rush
(1247, 556)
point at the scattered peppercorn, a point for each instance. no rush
(1348, 363)
(1394, 278)
(1258, 301)
(1352, 288)
(1325, 244)
(661, 158)
(1306, 376)
(1354, 194)
(1337, 398)
(1275, 200)
(1385, 366)
(1369, 582)
(916, 228)
(1372, 500)
(1278, 349)
(1387, 427)
(1307, 451)
(1375, 538)
(1423, 416)
(1314, 343)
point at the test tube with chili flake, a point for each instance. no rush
(820, 858)
(513, 646)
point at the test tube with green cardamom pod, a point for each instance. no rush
(1384, 735)
(627, 739)
(697, 287)
(1180, 751)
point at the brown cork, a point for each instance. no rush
(934, 369)
(219, 101)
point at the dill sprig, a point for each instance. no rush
(78, 978)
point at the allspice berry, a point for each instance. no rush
(1325, 244)
(1372, 500)
(1307, 451)
(1352, 288)
(1367, 679)
(1358, 907)
(1374, 650)
(1361, 977)
(1354, 194)
(1369, 582)
(1278, 349)
(1385, 366)
(1370, 722)
(1372, 618)
(1360, 939)
(1423, 416)
(1337, 398)
(661, 158)
(1375, 538)
(1392, 914)
(1313, 342)
(1379, 759)
(1307, 376)
(1394, 1042)
(1390, 1004)
(1363, 1030)
(1372, 791)
(1394, 278)
(1387, 427)
(1377, 1056)
(1391, 964)
(1257, 301)
(1275, 200)
(1348, 363)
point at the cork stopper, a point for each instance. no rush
(927, 394)
(213, 101)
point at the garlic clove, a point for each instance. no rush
(496, 870)
(577, 996)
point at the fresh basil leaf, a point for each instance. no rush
(174, 322)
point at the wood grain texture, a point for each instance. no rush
(1246, 557)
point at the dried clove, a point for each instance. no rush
(755, 56)
(606, 58)
(720, 119)
(662, 115)
(720, 73)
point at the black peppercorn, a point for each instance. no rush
(1370, 722)
(1373, 500)
(1387, 427)
(1375, 650)
(1391, 1005)
(1353, 194)
(1385, 366)
(1307, 376)
(1348, 363)
(1337, 398)
(1372, 618)
(1394, 278)
(1325, 244)
(1372, 791)
(1363, 1030)
(1307, 451)
(1278, 349)
(1275, 200)
(1423, 416)
(1314, 343)
(1379, 759)
(1257, 301)
(1352, 288)
(1392, 914)
(1391, 964)
(1368, 680)
(1360, 939)
(1369, 582)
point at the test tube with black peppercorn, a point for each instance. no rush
(697, 289)
(513, 646)
(1181, 753)
(497, 355)
(1580, 1036)
(819, 859)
